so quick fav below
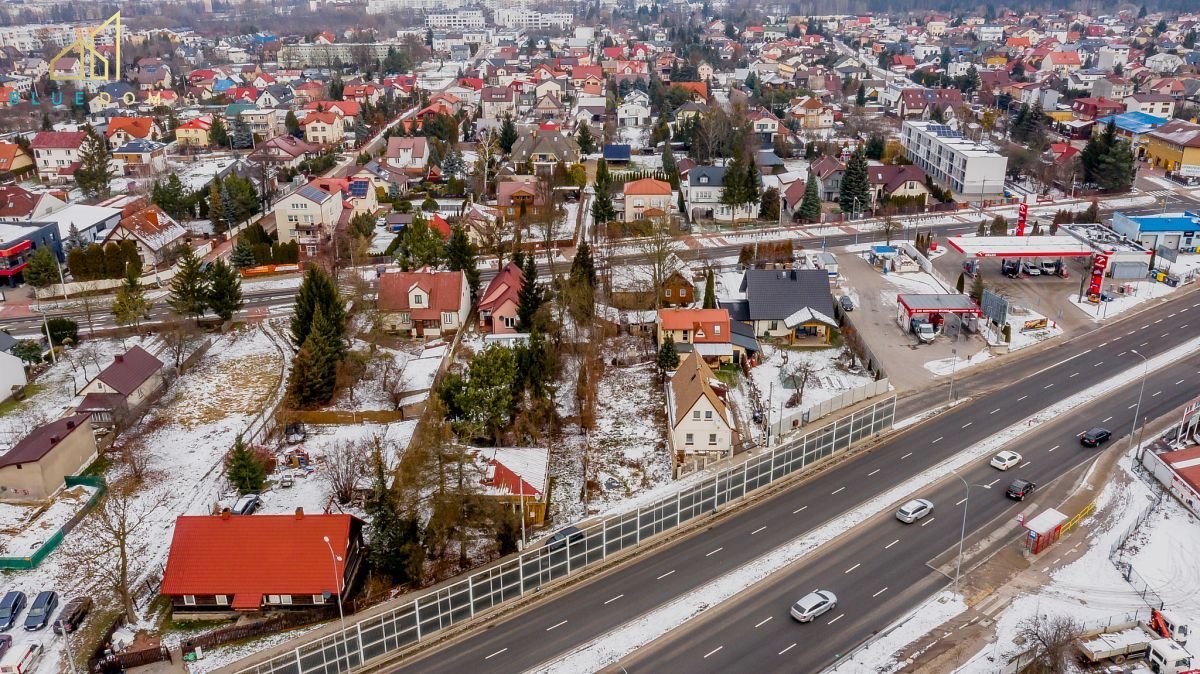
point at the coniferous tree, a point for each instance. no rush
(330, 334)
(668, 356)
(189, 288)
(508, 134)
(669, 167)
(810, 205)
(314, 370)
(243, 469)
(229, 216)
(603, 210)
(603, 179)
(216, 208)
(710, 291)
(532, 295)
(583, 267)
(860, 99)
(855, 194)
(218, 134)
(224, 289)
(585, 139)
(243, 254)
(94, 174)
(316, 290)
(130, 303)
(461, 255)
(291, 123)
(42, 270)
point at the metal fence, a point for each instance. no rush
(1116, 555)
(416, 620)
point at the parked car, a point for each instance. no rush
(72, 615)
(1094, 437)
(813, 605)
(5, 644)
(846, 302)
(560, 538)
(40, 610)
(914, 510)
(246, 505)
(1031, 269)
(10, 609)
(1019, 489)
(1010, 269)
(1005, 459)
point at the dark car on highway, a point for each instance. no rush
(1095, 437)
(1019, 489)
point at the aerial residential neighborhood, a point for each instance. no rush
(507, 336)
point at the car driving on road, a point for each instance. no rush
(813, 605)
(914, 510)
(1005, 459)
(1019, 489)
(1094, 437)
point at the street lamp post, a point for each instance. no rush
(954, 362)
(962, 534)
(1138, 411)
(338, 586)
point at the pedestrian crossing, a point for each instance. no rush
(1161, 193)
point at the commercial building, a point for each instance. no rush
(1175, 232)
(309, 55)
(966, 168)
(519, 17)
(1175, 147)
(463, 19)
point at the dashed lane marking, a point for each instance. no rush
(556, 625)
(665, 574)
(880, 592)
(713, 651)
(613, 599)
(764, 621)
(891, 544)
(495, 654)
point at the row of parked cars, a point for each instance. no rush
(40, 611)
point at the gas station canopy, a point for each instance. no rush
(1020, 246)
(937, 303)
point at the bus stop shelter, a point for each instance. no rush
(1043, 530)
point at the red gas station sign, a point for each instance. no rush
(1022, 215)
(1099, 265)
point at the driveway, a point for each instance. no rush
(875, 318)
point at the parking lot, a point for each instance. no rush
(904, 359)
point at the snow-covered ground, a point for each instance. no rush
(31, 534)
(879, 655)
(956, 364)
(775, 385)
(196, 174)
(1142, 291)
(1022, 337)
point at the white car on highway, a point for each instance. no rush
(1005, 460)
(914, 510)
(814, 604)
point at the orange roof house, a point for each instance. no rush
(498, 304)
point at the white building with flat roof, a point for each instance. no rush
(518, 17)
(463, 19)
(966, 168)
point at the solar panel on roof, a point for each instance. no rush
(359, 189)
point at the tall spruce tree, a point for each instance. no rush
(710, 291)
(585, 139)
(94, 174)
(855, 194)
(316, 290)
(243, 254)
(508, 134)
(314, 370)
(224, 289)
(189, 288)
(810, 205)
(583, 267)
(461, 255)
(532, 295)
(243, 469)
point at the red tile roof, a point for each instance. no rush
(46, 140)
(248, 556)
(138, 127)
(697, 321)
(505, 286)
(444, 287)
(648, 186)
(130, 370)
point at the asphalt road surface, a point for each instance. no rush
(568, 620)
(881, 571)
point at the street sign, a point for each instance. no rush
(994, 307)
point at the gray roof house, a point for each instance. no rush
(795, 304)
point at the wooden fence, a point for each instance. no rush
(271, 624)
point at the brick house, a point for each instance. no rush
(424, 303)
(498, 304)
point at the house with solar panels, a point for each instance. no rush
(970, 170)
(309, 216)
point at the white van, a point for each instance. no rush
(21, 659)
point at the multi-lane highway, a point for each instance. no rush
(575, 616)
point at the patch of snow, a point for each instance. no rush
(880, 655)
(1142, 291)
(955, 364)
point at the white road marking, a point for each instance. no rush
(928, 521)
(1104, 344)
(1144, 326)
(852, 568)
(1022, 398)
(798, 509)
(765, 621)
(906, 455)
(556, 625)
(873, 472)
(1158, 321)
(1098, 363)
(968, 424)
(1048, 386)
(1074, 375)
(1122, 354)
(891, 544)
(715, 551)
(495, 654)
(840, 615)
(1156, 394)
(994, 411)
(1170, 315)
(1183, 326)
(1055, 447)
(1165, 335)
(1025, 464)
(1106, 420)
(1130, 333)
(665, 574)
(713, 651)
(1143, 344)
(960, 502)
(1131, 406)
(787, 649)
(939, 439)
(1180, 382)
(613, 599)
(757, 530)
(839, 489)
(989, 485)
(880, 592)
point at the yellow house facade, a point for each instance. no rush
(1174, 145)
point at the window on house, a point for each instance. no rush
(286, 599)
(222, 600)
(688, 440)
(418, 300)
(773, 325)
(716, 330)
(189, 600)
(696, 415)
(668, 292)
(712, 438)
(318, 598)
(685, 335)
(708, 415)
(404, 317)
(510, 322)
(272, 599)
(447, 318)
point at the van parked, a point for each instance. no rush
(40, 610)
(22, 659)
(72, 615)
(10, 609)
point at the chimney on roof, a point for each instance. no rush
(70, 423)
(54, 439)
(120, 358)
(299, 513)
(225, 513)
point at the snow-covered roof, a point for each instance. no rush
(808, 315)
(514, 471)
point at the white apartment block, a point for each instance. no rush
(966, 168)
(389, 6)
(464, 19)
(31, 37)
(310, 55)
(534, 20)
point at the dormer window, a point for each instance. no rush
(703, 180)
(418, 300)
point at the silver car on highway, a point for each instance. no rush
(814, 604)
(914, 510)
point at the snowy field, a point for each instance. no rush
(772, 378)
(1143, 291)
(29, 534)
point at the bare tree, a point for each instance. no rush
(179, 335)
(549, 218)
(345, 464)
(107, 550)
(487, 149)
(392, 379)
(137, 459)
(90, 304)
(1051, 639)
(799, 375)
(890, 227)
(659, 250)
